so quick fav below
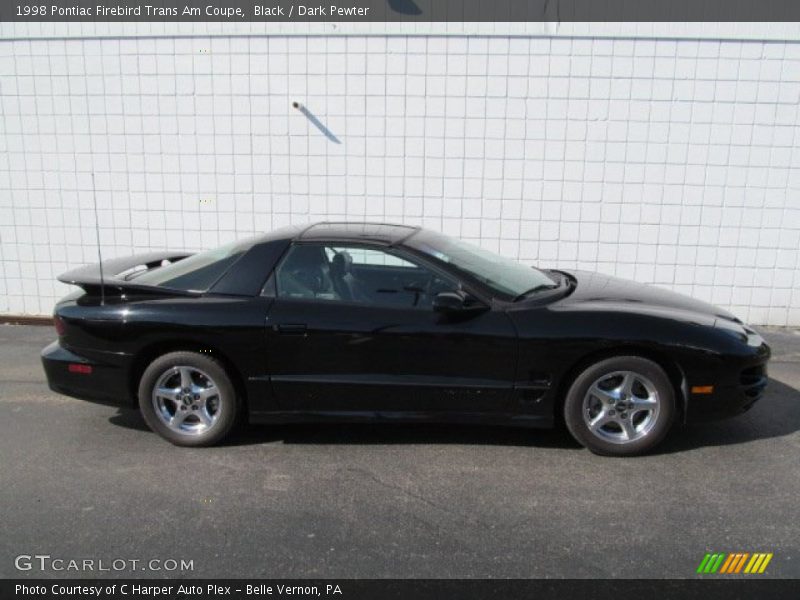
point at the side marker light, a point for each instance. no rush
(702, 389)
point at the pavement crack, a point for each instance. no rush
(414, 495)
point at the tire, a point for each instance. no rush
(620, 406)
(188, 399)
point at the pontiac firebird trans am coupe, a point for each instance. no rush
(372, 322)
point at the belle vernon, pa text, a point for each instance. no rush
(169, 591)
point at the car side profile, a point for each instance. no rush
(352, 322)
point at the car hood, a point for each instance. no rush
(606, 292)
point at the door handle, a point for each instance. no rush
(291, 328)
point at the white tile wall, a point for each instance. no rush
(668, 161)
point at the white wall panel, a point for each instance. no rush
(670, 161)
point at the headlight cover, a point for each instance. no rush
(741, 332)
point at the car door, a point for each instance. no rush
(376, 344)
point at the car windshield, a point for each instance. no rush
(507, 277)
(197, 272)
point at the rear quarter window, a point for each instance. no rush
(197, 272)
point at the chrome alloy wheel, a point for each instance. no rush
(621, 407)
(187, 400)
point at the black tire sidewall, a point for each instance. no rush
(216, 371)
(573, 405)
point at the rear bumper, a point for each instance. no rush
(106, 383)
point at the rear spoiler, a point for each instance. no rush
(90, 279)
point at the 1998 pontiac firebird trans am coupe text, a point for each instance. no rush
(359, 321)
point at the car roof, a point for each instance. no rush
(385, 233)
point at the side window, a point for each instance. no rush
(304, 273)
(357, 275)
(370, 256)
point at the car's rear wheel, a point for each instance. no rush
(188, 399)
(620, 406)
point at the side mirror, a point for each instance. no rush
(448, 302)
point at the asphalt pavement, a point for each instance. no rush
(82, 481)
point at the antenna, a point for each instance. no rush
(97, 234)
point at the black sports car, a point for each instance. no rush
(363, 321)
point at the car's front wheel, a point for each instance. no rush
(188, 399)
(620, 406)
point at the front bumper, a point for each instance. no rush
(106, 383)
(739, 384)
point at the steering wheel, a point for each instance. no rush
(420, 289)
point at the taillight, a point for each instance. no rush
(59, 323)
(79, 368)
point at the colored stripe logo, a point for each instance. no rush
(734, 562)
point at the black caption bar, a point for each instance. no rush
(387, 589)
(399, 10)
